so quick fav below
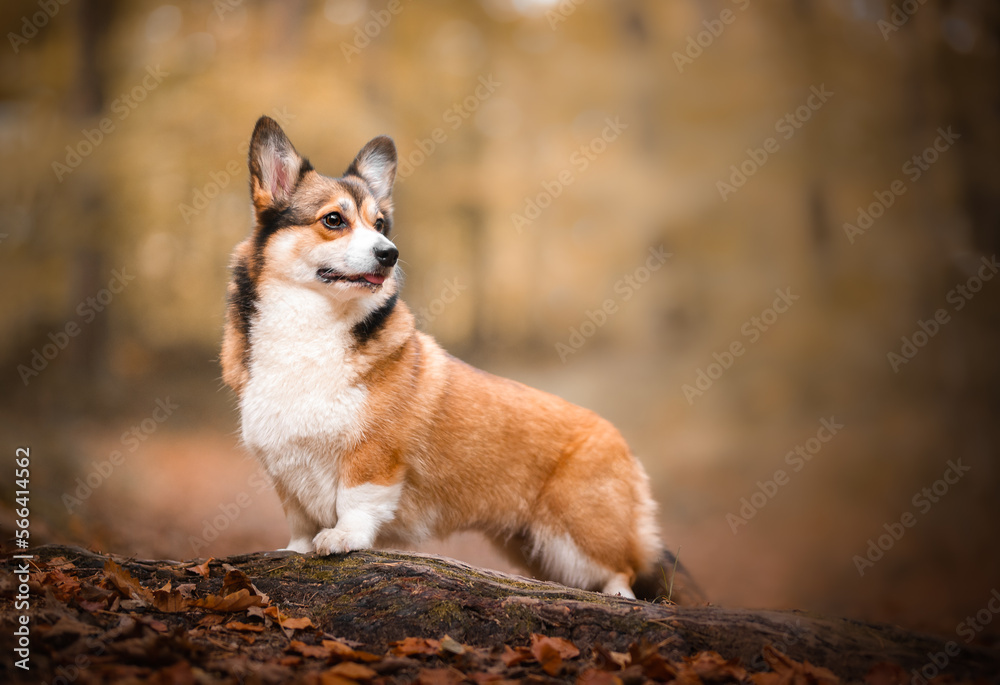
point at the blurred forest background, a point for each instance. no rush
(547, 147)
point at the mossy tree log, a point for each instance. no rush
(376, 598)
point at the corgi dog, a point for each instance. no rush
(373, 435)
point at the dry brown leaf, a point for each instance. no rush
(60, 563)
(125, 584)
(345, 652)
(565, 648)
(514, 656)
(312, 651)
(169, 601)
(245, 627)
(234, 581)
(439, 676)
(592, 676)
(782, 664)
(287, 622)
(201, 569)
(210, 620)
(351, 670)
(711, 666)
(550, 652)
(610, 661)
(453, 646)
(415, 645)
(334, 679)
(237, 601)
(64, 587)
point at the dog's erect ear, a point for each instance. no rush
(275, 166)
(376, 164)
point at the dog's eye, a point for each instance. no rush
(333, 220)
(380, 225)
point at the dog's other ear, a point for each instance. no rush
(275, 166)
(376, 164)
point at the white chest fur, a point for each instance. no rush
(302, 405)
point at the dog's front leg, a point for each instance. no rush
(361, 511)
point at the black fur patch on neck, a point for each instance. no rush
(243, 304)
(373, 323)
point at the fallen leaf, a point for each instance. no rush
(345, 652)
(60, 563)
(201, 569)
(287, 622)
(593, 676)
(439, 676)
(245, 627)
(169, 601)
(234, 581)
(64, 587)
(565, 648)
(125, 583)
(449, 644)
(237, 601)
(334, 679)
(352, 670)
(312, 651)
(609, 660)
(550, 652)
(415, 645)
(711, 666)
(783, 665)
(513, 656)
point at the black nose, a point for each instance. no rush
(386, 256)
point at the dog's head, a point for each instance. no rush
(330, 234)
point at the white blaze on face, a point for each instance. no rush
(360, 254)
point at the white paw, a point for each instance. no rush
(300, 545)
(337, 541)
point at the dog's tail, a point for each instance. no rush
(668, 581)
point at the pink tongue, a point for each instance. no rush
(372, 278)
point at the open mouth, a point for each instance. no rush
(371, 280)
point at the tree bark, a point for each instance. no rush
(376, 599)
